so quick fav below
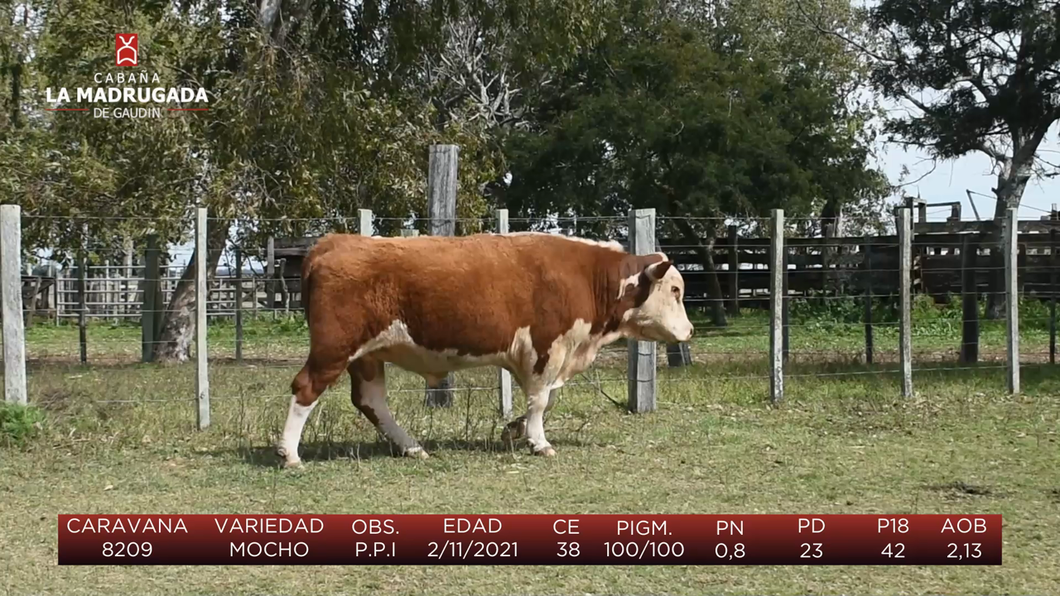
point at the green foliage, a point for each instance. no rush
(294, 130)
(990, 71)
(591, 106)
(20, 423)
(929, 317)
(658, 115)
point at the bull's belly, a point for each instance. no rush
(431, 363)
(570, 354)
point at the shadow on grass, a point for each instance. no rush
(321, 451)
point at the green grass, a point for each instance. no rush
(119, 437)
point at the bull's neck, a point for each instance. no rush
(606, 288)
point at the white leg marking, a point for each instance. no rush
(535, 423)
(292, 432)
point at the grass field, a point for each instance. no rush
(118, 437)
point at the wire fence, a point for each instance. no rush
(930, 299)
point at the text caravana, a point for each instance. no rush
(128, 88)
(126, 525)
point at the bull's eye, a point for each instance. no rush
(676, 291)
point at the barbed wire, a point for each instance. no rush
(828, 329)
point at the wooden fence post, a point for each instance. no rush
(270, 276)
(776, 307)
(441, 209)
(11, 295)
(641, 380)
(504, 378)
(82, 291)
(678, 355)
(905, 291)
(239, 304)
(1054, 262)
(152, 290)
(107, 308)
(869, 348)
(127, 296)
(969, 353)
(202, 375)
(1012, 313)
(785, 304)
(734, 271)
(56, 291)
(364, 222)
(441, 189)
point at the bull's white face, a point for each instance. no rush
(662, 316)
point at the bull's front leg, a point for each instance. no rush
(535, 423)
(517, 429)
(532, 424)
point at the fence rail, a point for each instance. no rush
(944, 264)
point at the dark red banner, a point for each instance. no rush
(529, 539)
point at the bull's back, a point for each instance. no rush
(469, 294)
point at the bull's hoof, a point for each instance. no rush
(288, 462)
(416, 453)
(513, 431)
(546, 452)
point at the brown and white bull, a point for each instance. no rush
(539, 305)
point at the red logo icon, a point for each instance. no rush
(126, 49)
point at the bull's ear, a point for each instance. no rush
(658, 270)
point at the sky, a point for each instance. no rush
(950, 180)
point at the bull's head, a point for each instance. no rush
(656, 293)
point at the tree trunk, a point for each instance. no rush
(16, 77)
(830, 218)
(1011, 183)
(178, 322)
(706, 256)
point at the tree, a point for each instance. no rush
(479, 64)
(293, 133)
(657, 116)
(980, 75)
(296, 135)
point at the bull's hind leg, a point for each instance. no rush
(368, 393)
(314, 378)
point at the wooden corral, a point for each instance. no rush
(834, 266)
(853, 265)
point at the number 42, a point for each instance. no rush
(894, 551)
